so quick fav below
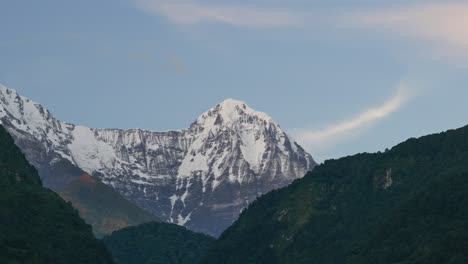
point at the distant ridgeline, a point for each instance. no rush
(407, 205)
(36, 225)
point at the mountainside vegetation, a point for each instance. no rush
(36, 225)
(103, 207)
(406, 205)
(157, 243)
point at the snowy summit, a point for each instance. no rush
(200, 177)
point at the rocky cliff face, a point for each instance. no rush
(200, 177)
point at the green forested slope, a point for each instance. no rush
(157, 243)
(36, 225)
(407, 205)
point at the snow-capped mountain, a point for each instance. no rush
(200, 177)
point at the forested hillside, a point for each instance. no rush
(406, 205)
(36, 225)
(158, 243)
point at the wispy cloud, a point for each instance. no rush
(190, 12)
(338, 132)
(444, 25)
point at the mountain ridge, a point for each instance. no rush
(212, 170)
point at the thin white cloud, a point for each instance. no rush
(331, 135)
(190, 12)
(443, 25)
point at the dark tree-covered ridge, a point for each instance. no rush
(406, 205)
(158, 243)
(36, 225)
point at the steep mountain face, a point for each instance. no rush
(41, 137)
(102, 207)
(36, 225)
(158, 243)
(407, 205)
(200, 177)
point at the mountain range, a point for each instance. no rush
(201, 177)
(404, 205)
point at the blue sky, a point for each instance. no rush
(340, 76)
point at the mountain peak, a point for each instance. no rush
(5, 90)
(240, 107)
(231, 111)
(232, 104)
(201, 177)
